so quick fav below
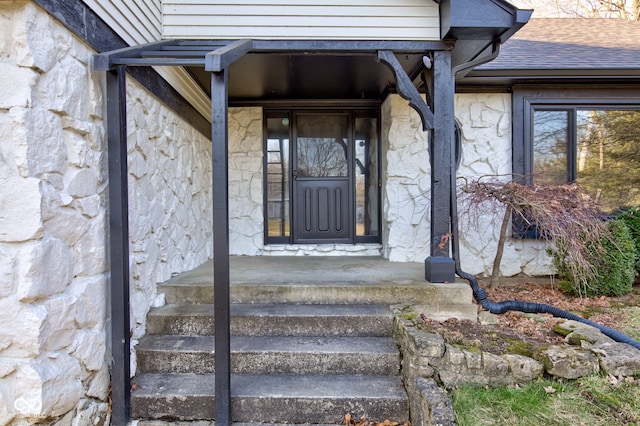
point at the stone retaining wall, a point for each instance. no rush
(427, 359)
(54, 221)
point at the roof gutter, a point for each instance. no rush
(491, 51)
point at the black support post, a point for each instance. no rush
(440, 267)
(119, 244)
(219, 131)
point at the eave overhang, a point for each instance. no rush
(479, 28)
(509, 77)
(272, 70)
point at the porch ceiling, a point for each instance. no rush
(307, 76)
(275, 70)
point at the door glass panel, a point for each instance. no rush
(550, 143)
(322, 146)
(366, 176)
(278, 176)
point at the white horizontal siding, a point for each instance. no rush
(301, 19)
(136, 22)
(139, 22)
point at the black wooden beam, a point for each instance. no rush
(105, 61)
(220, 191)
(118, 245)
(221, 58)
(440, 267)
(406, 89)
(370, 46)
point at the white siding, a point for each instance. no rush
(302, 19)
(139, 22)
(136, 22)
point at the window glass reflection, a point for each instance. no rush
(550, 143)
(366, 176)
(608, 158)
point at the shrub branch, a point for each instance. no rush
(562, 214)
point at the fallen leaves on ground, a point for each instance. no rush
(531, 330)
(349, 420)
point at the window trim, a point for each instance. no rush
(526, 99)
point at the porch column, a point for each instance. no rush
(439, 266)
(220, 191)
(119, 244)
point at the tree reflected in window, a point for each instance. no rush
(608, 156)
(598, 148)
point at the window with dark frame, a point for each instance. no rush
(583, 135)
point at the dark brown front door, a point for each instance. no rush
(322, 179)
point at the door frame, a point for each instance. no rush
(353, 112)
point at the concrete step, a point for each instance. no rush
(271, 398)
(309, 279)
(271, 355)
(422, 293)
(275, 320)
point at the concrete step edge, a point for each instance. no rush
(271, 398)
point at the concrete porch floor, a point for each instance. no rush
(325, 280)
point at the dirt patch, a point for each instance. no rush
(520, 333)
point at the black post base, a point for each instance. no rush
(439, 269)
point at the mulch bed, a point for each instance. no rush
(516, 332)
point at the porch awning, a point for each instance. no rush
(280, 69)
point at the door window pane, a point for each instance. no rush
(608, 158)
(550, 143)
(322, 146)
(366, 176)
(278, 176)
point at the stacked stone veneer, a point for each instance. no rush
(485, 120)
(486, 130)
(54, 317)
(170, 209)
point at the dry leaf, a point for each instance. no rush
(549, 389)
(611, 379)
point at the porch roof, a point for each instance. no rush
(287, 69)
(275, 70)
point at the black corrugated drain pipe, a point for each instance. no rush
(514, 305)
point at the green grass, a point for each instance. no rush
(632, 326)
(587, 401)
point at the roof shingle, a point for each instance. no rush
(571, 44)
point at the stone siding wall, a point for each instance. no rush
(170, 209)
(485, 121)
(54, 221)
(246, 217)
(406, 181)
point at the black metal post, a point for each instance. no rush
(119, 244)
(440, 267)
(220, 190)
